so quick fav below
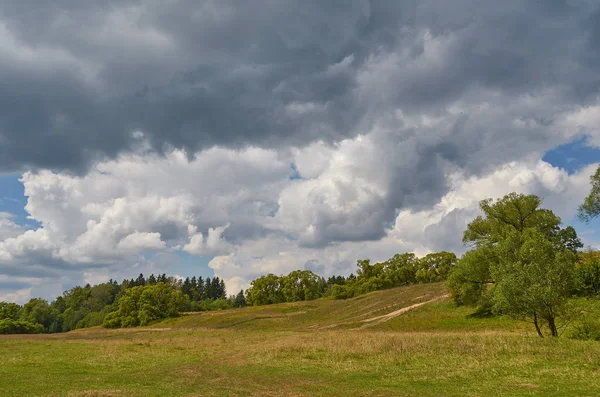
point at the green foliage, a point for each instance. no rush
(401, 269)
(38, 311)
(520, 251)
(471, 277)
(435, 267)
(265, 290)
(240, 299)
(11, 326)
(93, 319)
(591, 205)
(301, 285)
(142, 305)
(587, 274)
(9, 311)
(587, 329)
(534, 280)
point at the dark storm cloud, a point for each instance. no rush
(195, 74)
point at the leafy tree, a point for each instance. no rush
(59, 305)
(300, 285)
(471, 277)
(401, 269)
(435, 267)
(70, 318)
(587, 273)
(142, 305)
(534, 279)
(568, 239)
(9, 311)
(38, 311)
(265, 290)
(591, 205)
(520, 251)
(11, 326)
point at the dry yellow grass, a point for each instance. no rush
(433, 350)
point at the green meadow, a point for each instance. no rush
(427, 347)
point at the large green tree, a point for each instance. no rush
(521, 262)
(9, 311)
(38, 311)
(142, 305)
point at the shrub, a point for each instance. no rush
(8, 326)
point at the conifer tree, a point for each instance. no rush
(222, 289)
(215, 288)
(140, 281)
(208, 289)
(187, 289)
(240, 299)
(200, 293)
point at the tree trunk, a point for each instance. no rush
(552, 326)
(537, 326)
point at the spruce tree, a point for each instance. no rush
(215, 288)
(141, 281)
(200, 293)
(222, 289)
(240, 299)
(208, 290)
(186, 288)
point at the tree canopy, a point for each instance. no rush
(521, 262)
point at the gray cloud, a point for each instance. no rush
(433, 89)
(78, 78)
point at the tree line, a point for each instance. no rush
(141, 301)
(132, 302)
(521, 263)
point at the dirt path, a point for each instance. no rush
(381, 319)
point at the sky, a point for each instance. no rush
(233, 139)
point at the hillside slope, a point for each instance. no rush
(424, 307)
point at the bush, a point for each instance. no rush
(588, 329)
(587, 274)
(8, 326)
(92, 319)
(341, 292)
(112, 320)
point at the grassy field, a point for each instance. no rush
(319, 348)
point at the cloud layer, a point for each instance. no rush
(80, 79)
(279, 134)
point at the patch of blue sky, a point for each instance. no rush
(573, 156)
(13, 200)
(188, 265)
